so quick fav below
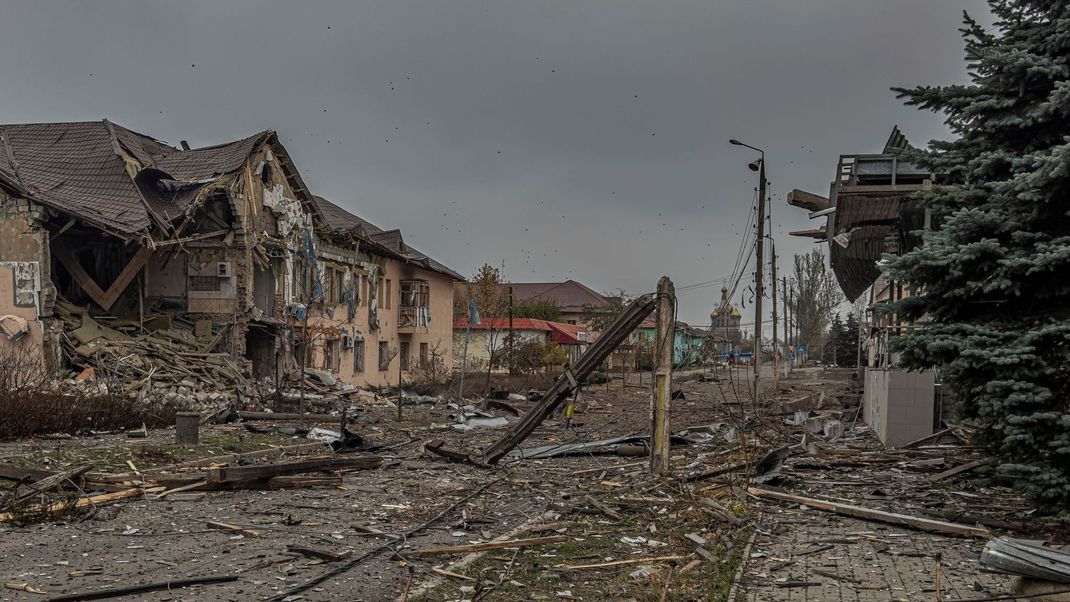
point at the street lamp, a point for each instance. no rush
(759, 291)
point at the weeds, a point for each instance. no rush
(34, 403)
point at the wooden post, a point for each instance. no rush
(663, 344)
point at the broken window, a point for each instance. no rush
(423, 355)
(404, 356)
(358, 357)
(384, 356)
(386, 303)
(264, 289)
(415, 301)
(332, 357)
(328, 287)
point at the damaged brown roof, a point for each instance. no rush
(340, 220)
(210, 161)
(75, 167)
(79, 168)
(570, 296)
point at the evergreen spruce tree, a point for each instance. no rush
(833, 340)
(995, 274)
(847, 348)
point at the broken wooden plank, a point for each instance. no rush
(215, 460)
(327, 555)
(199, 482)
(491, 545)
(574, 567)
(263, 471)
(236, 530)
(923, 524)
(451, 574)
(93, 500)
(603, 508)
(100, 594)
(961, 468)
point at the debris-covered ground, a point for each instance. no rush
(402, 522)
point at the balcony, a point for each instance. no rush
(414, 307)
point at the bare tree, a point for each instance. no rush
(599, 317)
(492, 300)
(818, 296)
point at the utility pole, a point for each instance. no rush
(664, 337)
(772, 269)
(759, 268)
(787, 319)
(759, 290)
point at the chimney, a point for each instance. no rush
(184, 144)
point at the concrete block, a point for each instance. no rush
(187, 428)
(814, 425)
(833, 429)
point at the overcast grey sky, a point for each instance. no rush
(567, 139)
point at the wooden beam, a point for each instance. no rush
(923, 524)
(178, 241)
(84, 280)
(119, 592)
(961, 468)
(263, 471)
(125, 277)
(105, 299)
(211, 460)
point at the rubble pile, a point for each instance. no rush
(168, 363)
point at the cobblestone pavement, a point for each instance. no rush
(808, 556)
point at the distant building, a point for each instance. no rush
(490, 335)
(724, 324)
(570, 296)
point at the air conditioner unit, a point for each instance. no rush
(347, 341)
(222, 269)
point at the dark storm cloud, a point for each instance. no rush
(565, 139)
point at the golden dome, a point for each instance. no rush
(716, 313)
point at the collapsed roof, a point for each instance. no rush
(125, 182)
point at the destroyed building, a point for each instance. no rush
(209, 263)
(870, 212)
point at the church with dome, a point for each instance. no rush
(724, 322)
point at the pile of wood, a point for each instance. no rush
(38, 491)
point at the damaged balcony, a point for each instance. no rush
(414, 310)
